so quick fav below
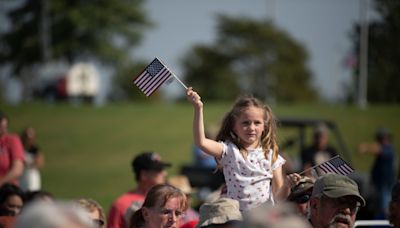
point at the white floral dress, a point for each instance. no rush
(248, 181)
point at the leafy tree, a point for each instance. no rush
(383, 53)
(252, 57)
(103, 30)
(210, 73)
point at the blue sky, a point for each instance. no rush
(323, 26)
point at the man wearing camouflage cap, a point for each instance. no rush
(335, 201)
(300, 195)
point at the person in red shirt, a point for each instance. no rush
(149, 171)
(11, 154)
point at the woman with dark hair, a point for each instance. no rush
(163, 206)
(11, 200)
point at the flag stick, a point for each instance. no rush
(184, 86)
(317, 165)
(173, 74)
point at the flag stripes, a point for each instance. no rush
(336, 165)
(152, 77)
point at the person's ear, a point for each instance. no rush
(313, 203)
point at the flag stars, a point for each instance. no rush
(154, 75)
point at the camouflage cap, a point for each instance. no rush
(304, 186)
(335, 186)
(221, 211)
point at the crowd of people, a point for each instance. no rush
(257, 191)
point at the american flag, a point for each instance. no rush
(152, 77)
(336, 165)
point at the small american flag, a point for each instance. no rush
(152, 77)
(336, 165)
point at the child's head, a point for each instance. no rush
(247, 111)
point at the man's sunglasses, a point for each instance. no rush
(302, 198)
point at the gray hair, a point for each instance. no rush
(53, 215)
(282, 215)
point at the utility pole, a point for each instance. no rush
(363, 65)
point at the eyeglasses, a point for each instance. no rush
(169, 212)
(302, 198)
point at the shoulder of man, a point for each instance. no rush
(128, 197)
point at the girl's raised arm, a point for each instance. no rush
(209, 146)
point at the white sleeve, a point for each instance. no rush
(225, 148)
(278, 163)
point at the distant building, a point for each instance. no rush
(82, 82)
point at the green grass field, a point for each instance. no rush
(88, 149)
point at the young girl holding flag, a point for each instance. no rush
(247, 151)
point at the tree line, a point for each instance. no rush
(249, 55)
